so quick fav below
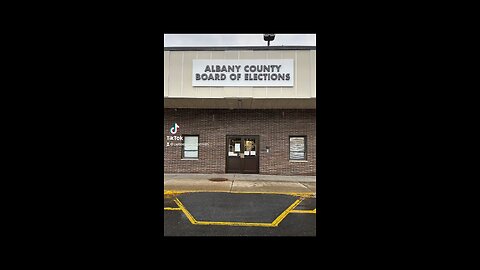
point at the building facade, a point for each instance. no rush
(240, 110)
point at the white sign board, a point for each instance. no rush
(243, 72)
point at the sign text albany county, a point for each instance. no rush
(243, 72)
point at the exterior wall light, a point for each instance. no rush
(268, 38)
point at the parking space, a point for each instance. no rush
(239, 214)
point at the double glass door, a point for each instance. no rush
(242, 154)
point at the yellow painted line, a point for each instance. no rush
(303, 194)
(195, 222)
(178, 192)
(171, 192)
(285, 213)
(171, 209)
(185, 211)
(314, 211)
(228, 223)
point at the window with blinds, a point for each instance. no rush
(298, 148)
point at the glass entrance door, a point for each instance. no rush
(242, 154)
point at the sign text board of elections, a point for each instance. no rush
(243, 72)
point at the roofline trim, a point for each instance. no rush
(237, 48)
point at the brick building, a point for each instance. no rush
(240, 110)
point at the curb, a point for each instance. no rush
(239, 177)
(204, 185)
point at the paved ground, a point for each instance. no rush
(292, 225)
(243, 205)
(239, 214)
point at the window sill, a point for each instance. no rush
(189, 159)
(298, 160)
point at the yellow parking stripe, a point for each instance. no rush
(285, 213)
(299, 194)
(228, 223)
(185, 211)
(275, 223)
(172, 209)
(314, 211)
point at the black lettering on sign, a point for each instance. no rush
(197, 77)
(223, 77)
(288, 77)
(207, 69)
(232, 76)
(231, 68)
(210, 77)
(204, 76)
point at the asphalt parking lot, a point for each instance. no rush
(239, 214)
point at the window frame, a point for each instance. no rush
(183, 147)
(304, 147)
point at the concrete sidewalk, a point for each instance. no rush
(244, 177)
(240, 183)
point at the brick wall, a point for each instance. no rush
(273, 126)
